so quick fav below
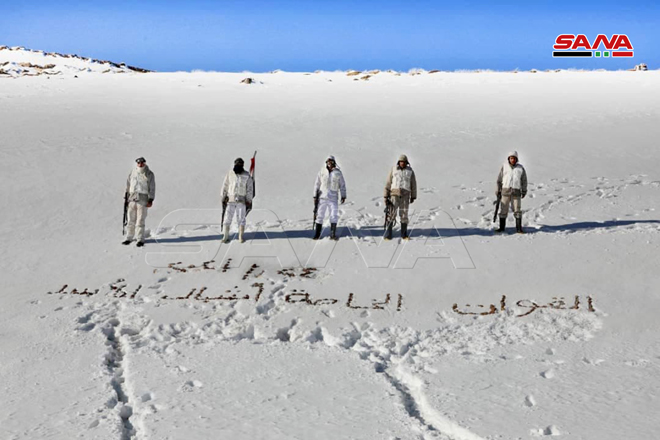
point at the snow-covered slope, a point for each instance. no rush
(19, 61)
(459, 334)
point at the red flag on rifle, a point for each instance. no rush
(252, 163)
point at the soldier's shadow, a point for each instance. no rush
(250, 235)
(581, 226)
(378, 231)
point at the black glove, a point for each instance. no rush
(412, 200)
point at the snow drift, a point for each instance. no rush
(19, 61)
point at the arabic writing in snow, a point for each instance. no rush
(557, 303)
(119, 289)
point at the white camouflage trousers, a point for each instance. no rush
(137, 214)
(325, 205)
(239, 209)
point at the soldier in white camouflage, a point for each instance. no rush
(237, 194)
(329, 190)
(400, 191)
(511, 188)
(140, 192)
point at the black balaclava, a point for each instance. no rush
(238, 166)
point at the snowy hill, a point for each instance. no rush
(19, 61)
(458, 334)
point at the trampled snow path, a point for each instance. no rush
(108, 321)
(394, 353)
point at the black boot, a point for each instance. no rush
(404, 231)
(502, 225)
(126, 242)
(317, 233)
(519, 228)
(333, 231)
(388, 232)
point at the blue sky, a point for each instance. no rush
(308, 35)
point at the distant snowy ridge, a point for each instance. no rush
(19, 61)
(366, 75)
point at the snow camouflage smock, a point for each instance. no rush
(238, 187)
(141, 186)
(512, 179)
(330, 184)
(401, 181)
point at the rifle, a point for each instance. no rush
(254, 183)
(389, 213)
(497, 206)
(316, 207)
(123, 228)
(224, 208)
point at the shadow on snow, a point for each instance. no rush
(377, 231)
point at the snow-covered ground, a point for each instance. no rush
(458, 334)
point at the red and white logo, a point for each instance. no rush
(579, 46)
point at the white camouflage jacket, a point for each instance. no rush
(141, 186)
(512, 179)
(330, 184)
(239, 188)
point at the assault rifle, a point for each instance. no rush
(389, 213)
(125, 222)
(316, 207)
(497, 206)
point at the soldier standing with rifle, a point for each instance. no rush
(400, 191)
(237, 193)
(327, 188)
(138, 197)
(511, 188)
